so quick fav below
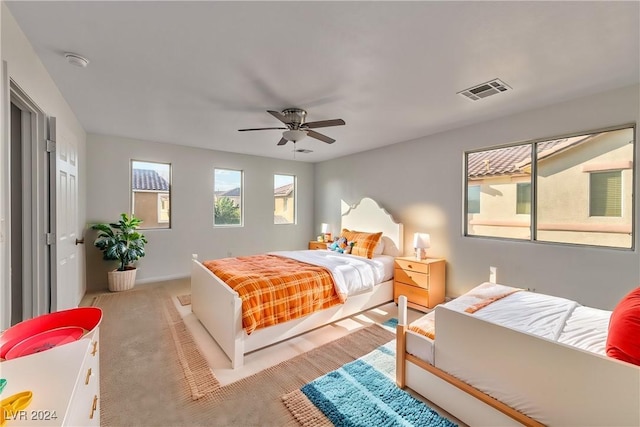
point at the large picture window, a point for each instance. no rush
(576, 190)
(284, 195)
(227, 197)
(151, 193)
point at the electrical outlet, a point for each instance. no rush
(493, 272)
(531, 289)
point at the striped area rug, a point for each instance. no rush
(361, 393)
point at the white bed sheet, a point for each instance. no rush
(352, 274)
(554, 318)
(587, 329)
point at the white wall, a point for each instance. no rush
(26, 70)
(421, 183)
(169, 251)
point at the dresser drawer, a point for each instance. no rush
(418, 267)
(410, 277)
(415, 295)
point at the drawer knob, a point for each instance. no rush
(94, 406)
(95, 348)
(86, 381)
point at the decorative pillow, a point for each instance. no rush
(623, 339)
(364, 243)
(341, 245)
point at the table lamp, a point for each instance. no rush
(421, 241)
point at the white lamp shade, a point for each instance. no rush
(421, 241)
(294, 135)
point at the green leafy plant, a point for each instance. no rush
(120, 241)
(226, 211)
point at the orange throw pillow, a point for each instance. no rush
(623, 340)
(365, 243)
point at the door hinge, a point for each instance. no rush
(51, 146)
(51, 238)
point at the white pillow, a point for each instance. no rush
(379, 249)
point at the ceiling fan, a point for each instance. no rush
(297, 128)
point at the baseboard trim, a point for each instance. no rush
(161, 279)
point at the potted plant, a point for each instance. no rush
(120, 241)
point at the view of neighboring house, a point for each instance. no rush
(150, 198)
(584, 190)
(284, 209)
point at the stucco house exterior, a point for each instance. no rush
(584, 190)
(150, 198)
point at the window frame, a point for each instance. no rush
(295, 198)
(534, 190)
(241, 205)
(157, 210)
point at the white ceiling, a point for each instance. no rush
(193, 73)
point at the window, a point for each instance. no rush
(473, 199)
(284, 193)
(605, 194)
(151, 193)
(227, 197)
(576, 189)
(523, 202)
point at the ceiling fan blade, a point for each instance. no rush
(278, 115)
(244, 130)
(323, 123)
(321, 137)
(282, 141)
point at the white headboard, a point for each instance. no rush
(368, 216)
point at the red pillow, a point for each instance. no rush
(623, 340)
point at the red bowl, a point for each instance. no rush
(87, 318)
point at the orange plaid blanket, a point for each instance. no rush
(275, 289)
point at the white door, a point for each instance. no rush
(65, 280)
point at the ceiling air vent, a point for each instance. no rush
(492, 87)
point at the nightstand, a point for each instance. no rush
(313, 244)
(422, 282)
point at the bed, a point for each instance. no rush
(219, 307)
(523, 359)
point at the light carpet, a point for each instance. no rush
(361, 393)
(152, 373)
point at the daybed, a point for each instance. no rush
(219, 307)
(524, 359)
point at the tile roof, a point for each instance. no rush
(513, 160)
(283, 191)
(149, 180)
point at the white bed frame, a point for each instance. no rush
(219, 308)
(573, 387)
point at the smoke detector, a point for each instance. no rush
(483, 90)
(77, 60)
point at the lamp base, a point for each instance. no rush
(421, 254)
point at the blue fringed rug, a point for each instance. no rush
(361, 393)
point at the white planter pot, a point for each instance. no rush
(122, 280)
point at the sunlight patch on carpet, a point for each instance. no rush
(362, 393)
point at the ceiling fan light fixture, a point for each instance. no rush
(294, 135)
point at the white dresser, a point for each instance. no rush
(64, 381)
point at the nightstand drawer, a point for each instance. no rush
(411, 277)
(418, 267)
(415, 295)
(317, 245)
